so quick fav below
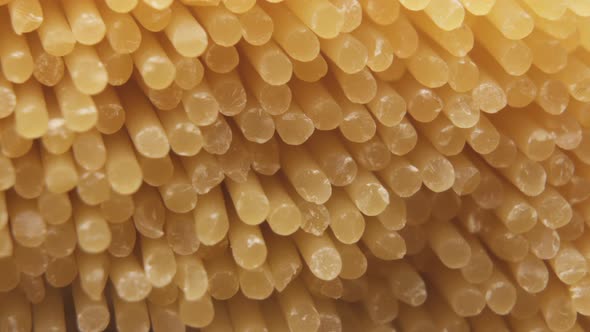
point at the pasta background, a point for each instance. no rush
(319, 165)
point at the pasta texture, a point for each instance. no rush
(291, 165)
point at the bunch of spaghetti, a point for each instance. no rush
(318, 165)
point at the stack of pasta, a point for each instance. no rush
(319, 165)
